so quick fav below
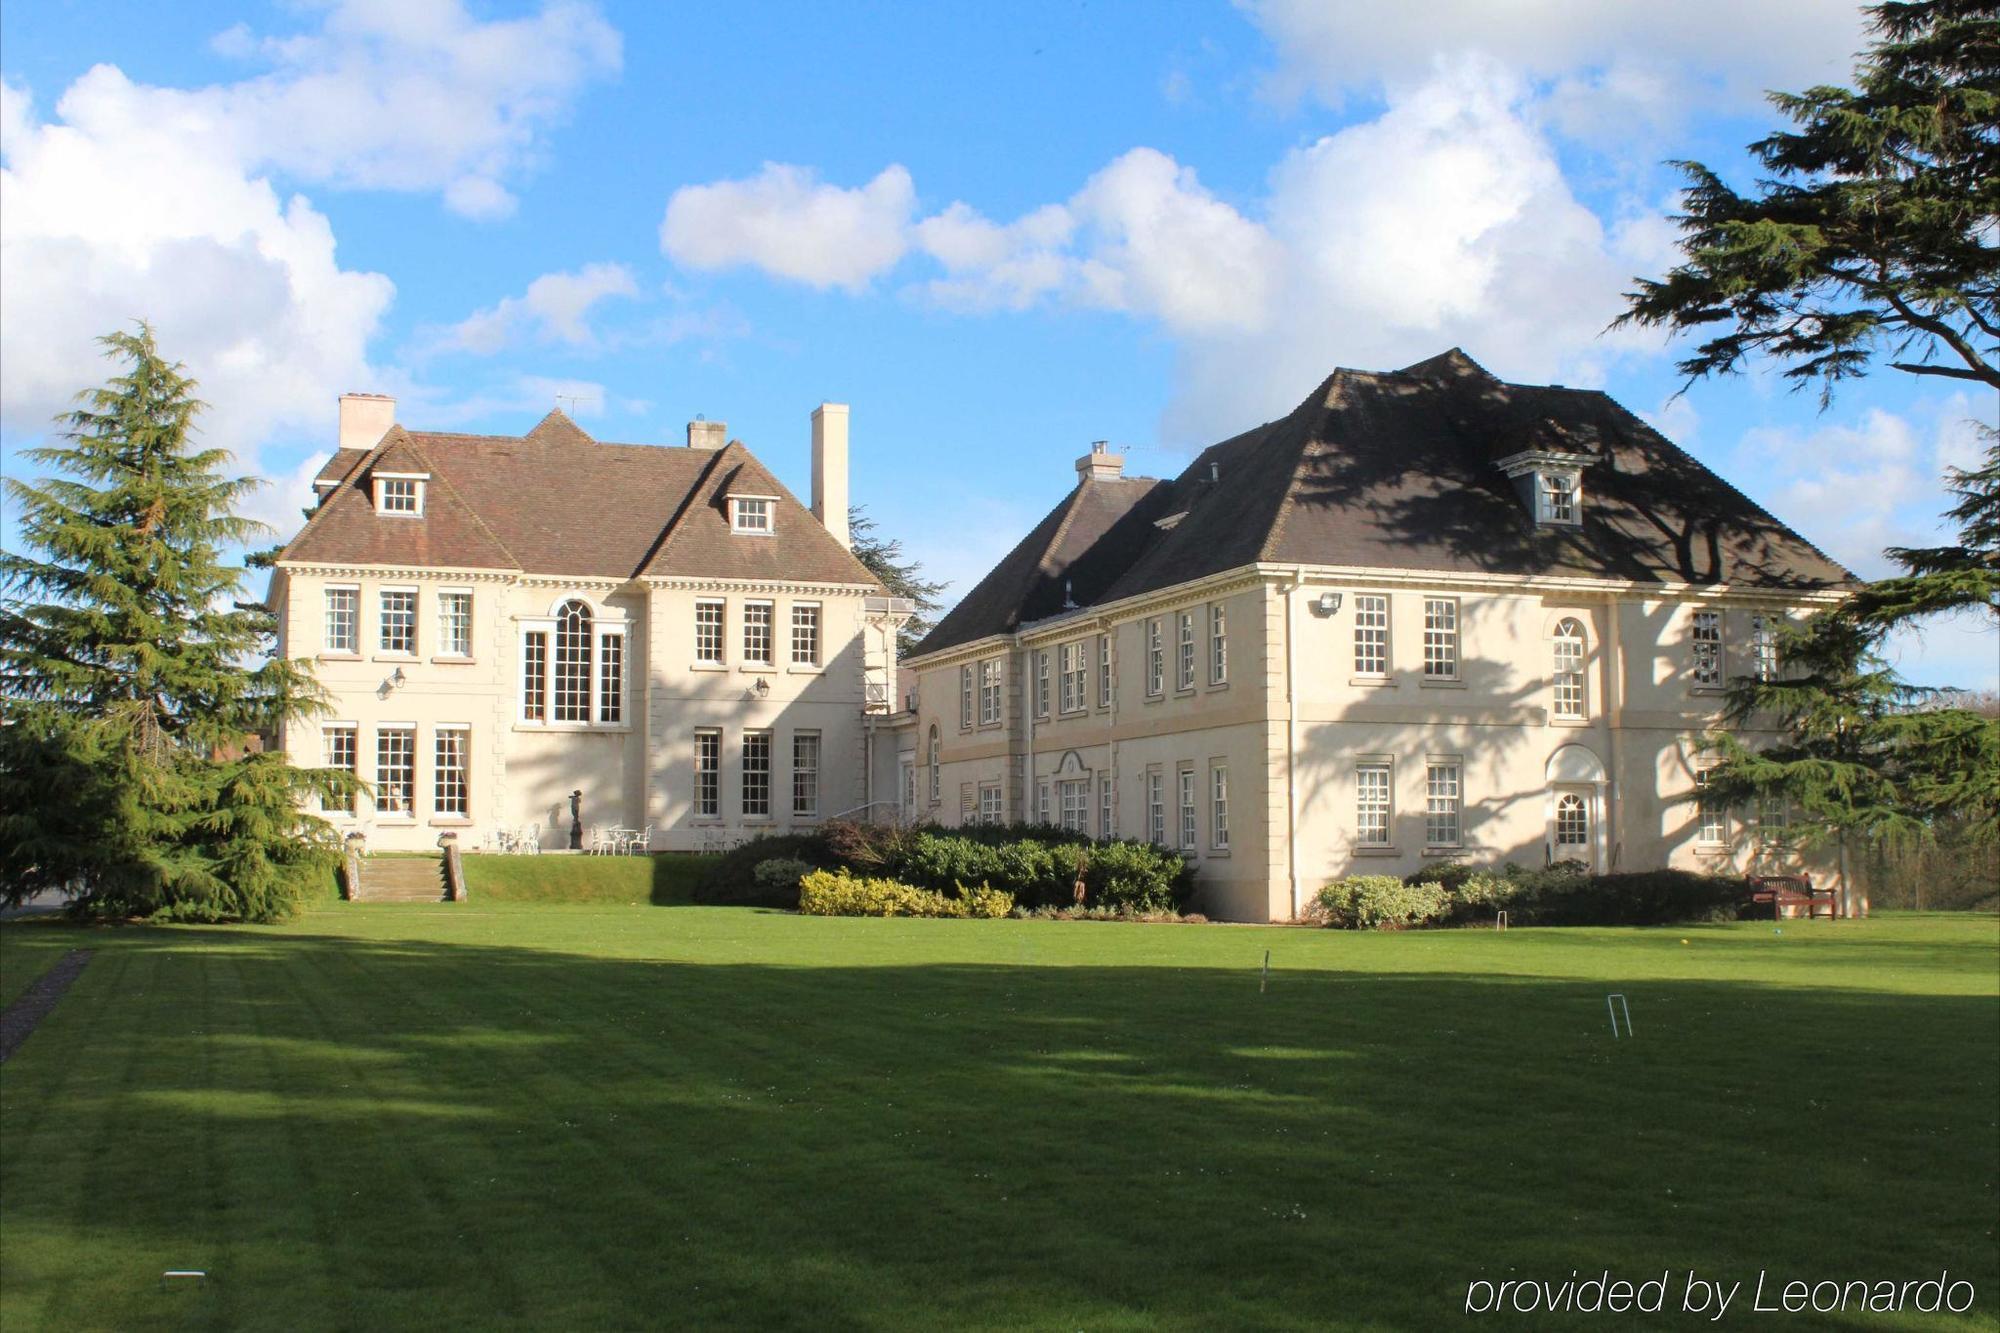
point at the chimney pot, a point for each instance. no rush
(1100, 464)
(365, 418)
(829, 451)
(710, 435)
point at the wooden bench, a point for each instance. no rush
(1790, 896)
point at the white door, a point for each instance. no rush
(1573, 825)
(906, 788)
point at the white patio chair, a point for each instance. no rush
(641, 841)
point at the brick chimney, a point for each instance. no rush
(710, 435)
(829, 437)
(1100, 464)
(365, 418)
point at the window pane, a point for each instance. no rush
(1371, 635)
(805, 634)
(535, 676)
(707, 773)
(1218, 645)
(573, 663)
(1371, 814)
(1156, 658)
(1184, 675)
(1189, 834)
(1107, 823)
(1074, 798)
(1764, 647)
(757, 773)
(1104, 671)
(1440, 638)
(399, 622)
(448, 786)
(757, 633)
(395, 770)
(1218, 781)
(805, 773)
(1708, 647)
(611, 678)
(1572, 826)
(455, 624)
(338, 745)
(1714, 820)
(1441, 802)
(708, 632)
(399, 495)
(753, 515)
(989, 691)
(1568, 650)
(343, 613)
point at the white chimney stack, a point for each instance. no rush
(1100, 464)
(710, 435)
(365, 418)
(830, 469)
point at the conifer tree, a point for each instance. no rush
(900, 577)
(130, 685)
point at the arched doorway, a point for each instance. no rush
(1575, 807)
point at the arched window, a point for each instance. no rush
(1568, 649)
(937, 775)
(572, 692)
(1572, 826)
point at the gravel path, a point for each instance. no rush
(22, 1016)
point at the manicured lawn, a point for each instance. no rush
(606, 1117)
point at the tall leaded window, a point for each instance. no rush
(707, 774)
(1041, 682)
(1190, 835)
(611, 679)
(1572, 827)
(1184, 645)
(757, 633)
(535, 676)
(1075, 678)
(395, 770)
(1104, 683)
(965, 697)
(708, 631)
(1218, 644)
(805, 773)
(1764, 647)
(1707, 648)
(1371, 805)
(399, 620)
(936, 764)
(757, 774)
(1713, 817)
(1568, 658)
(572, 673)
(1442, 794)
(1440, 638)
(1156, 657)
(455, 623)
(805, 633)
(989, 691)
(338, 745)
(449, 772)
(1371, 635)
(343, 620)
(1218, 808)
(1107, 823)
(1156, 807)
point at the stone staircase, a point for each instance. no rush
(401, 879)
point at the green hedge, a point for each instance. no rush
(661, 879)
(1564, 894)
(839, 893)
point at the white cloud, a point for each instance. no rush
(555, 308)
(785, 221)
(1643, 58)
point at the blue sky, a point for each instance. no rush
(998, 232)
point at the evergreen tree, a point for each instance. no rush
(899, 576)
(129, 686)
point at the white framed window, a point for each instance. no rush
(1556, 497)
(1104, 680)
(1107, 820)
(1156, 658)
(451, 770)
(708, 618)
(989, 691)
(395, 770)
(1075, 689)
(965, 697)
(1190, 821)
(398, 622)
(343, 620)
(757, 633)
(400, 494)
(1042, 801)
(455, 622)
(340, 748)
(1218, 807)
(751, 515)
(805, 773)
(1184, 650)
(1774, 820)
(936, 758)
(1572, 827)
(1440, 638)
(1372, 804)
(805, 634)
(707, 773)
(989, 803)
(1712, 818)
(1707, 643)
(1764, 647)
(1568, 654)
(1073, 804)
(573, 669)
(1443, 794)
(1218, 644)
(1041, 682)
(1156, 807)
(756, 775)
(1371, 635)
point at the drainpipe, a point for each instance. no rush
(1028, 683)
(1614, 716)
(1292, 739)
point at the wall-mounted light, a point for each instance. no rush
(1328, 604)
(763, 688)
(399, 680)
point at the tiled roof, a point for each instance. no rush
(554, 501)
(1396, 470)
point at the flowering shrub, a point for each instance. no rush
(841, 893)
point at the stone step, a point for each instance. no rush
(402, 879)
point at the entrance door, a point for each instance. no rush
(1572, 830)
(906, 788)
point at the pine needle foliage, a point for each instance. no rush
(900, 577)
(131, 685)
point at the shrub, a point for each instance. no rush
(841, 893)
(1635, 898)
(1140, 876)
(780, 874)
(1370, 901)
(732, 879)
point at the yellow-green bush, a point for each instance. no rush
(841, 893)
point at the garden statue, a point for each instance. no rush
(576, 820)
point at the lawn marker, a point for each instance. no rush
(192, 1274)
(1500, 919)
(1266, 981)
(1613, 1011)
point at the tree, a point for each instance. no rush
(129, 685)
(1875, 228)
(899, 576)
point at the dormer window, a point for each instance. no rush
(400, 494)
(751, 514)
(1550, 485)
